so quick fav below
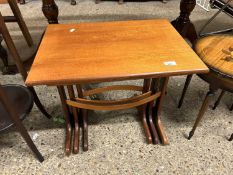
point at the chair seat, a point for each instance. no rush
(217, 52)
(22, 102)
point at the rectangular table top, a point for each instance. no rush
(109, 51)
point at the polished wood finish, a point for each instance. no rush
(215, 51)
(15, 103)
(183, 24)
(143, 42)
(75, 54)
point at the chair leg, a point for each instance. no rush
(218, 100)
(231, 138)
(38, 103)
(15, 9)
(18, 62)
(85, 129)
(73, 2)
(201, 112)
(187, 82)
(231, 108)
(3, 56)
(121, 1)
(22, 2)
(19, 125)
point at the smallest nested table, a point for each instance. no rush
(76, 54)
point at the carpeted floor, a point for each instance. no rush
(117, 143)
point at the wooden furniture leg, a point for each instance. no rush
(73, 2)
(22, 2)
(218, 100)
(3, 55)
(153, 88)
(17, 14)
(157, 112)
(143, 112)
(231, 138)
(12, 49)
(84, 114)
(50, 11)
(231, 108)
(85, 129)
(151, 123)
(76, 121)
(62, 94)
(202, 111)
(6, 103)
(183, 24)
(187, 82)
(121, 1)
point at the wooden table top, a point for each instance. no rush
(109, 51)
(217, 52)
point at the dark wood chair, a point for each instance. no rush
(10, 44)
(225, 6)
(16, 102)
(17, 17)
(216, 51)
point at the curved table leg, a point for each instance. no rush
(157, 113)
(50, 11)
(85, 129)
(151, 123)
(183, 24)
(142, 113)
(61, 91)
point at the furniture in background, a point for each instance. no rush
(120, 1)
(182, 24)
(216, 52)
(16, 102)
(112, 51)
(17, 17)
(22, 70)
(225, 6)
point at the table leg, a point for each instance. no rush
(157, 113)
(50, 11)
(62, 94)
(76, 120)
(183, 24)
(84, 113)
(143, 112)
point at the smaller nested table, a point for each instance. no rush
(77, 54)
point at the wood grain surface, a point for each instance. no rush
(217, 52)
(108, 51)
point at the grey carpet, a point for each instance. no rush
(117, 143)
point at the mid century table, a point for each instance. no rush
(77, 54)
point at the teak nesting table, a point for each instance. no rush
(75, 54)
